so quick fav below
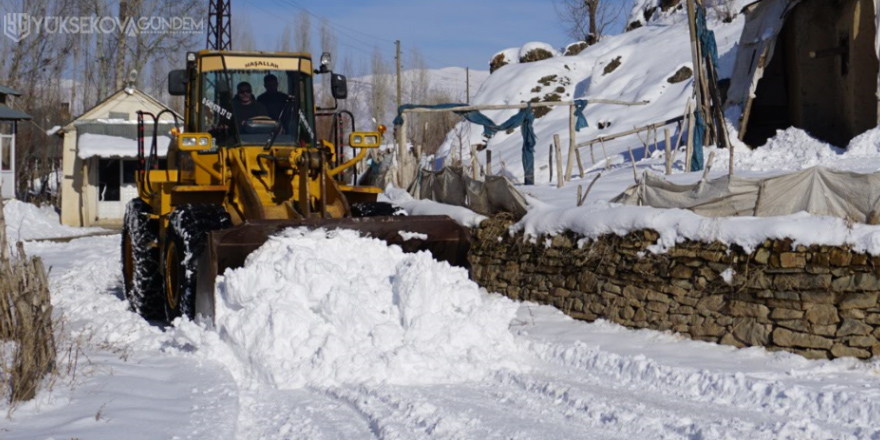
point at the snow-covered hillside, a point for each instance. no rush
(646, 59)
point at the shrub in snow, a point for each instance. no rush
(612, 66)
(683, 74)
(503, 58)
(645, 11)
(534, 51)
(575, 48)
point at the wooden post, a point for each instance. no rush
(401, 152)
(708, 165)
(584, 199)
(571, 142)
(690, 141)
(592, 156)
(607, 161)
(559, 176)
(632, 159)
(580, 191)
(682, 125)
(669, 155)
(577, 155)
(475, 163)
(656, 146)
(488, 162)
(551, 163)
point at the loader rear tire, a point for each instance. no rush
(142, 281)
(185, 242)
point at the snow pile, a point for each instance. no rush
(866, 144)
(25, 221)
(318, 308)
(790, 149)
(402, 199)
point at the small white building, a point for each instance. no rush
(100, 157)
(9, 119)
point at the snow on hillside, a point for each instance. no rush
(646, 59)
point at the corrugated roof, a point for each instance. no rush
(8, 114)
(7, 91)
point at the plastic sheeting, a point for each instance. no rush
(452, 187)
(817, 190)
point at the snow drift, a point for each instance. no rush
(324, 308)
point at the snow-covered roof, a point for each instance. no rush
(101, 145)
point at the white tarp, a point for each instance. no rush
(817, 190)
(105, 146)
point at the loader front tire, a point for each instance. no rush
(185, 242)
(142, 281)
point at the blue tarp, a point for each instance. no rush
(709, 53)
(523, 119)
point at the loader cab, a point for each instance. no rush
(215, 106)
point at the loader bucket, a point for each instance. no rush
(228, 248)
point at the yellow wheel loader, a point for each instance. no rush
(245, 164)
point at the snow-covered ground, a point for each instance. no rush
(327, 335)
(314, 341)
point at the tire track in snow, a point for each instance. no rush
(299, 414)
(836, 411)
(647, 415)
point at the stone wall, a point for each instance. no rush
(818, 301)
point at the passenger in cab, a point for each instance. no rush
(272, 99)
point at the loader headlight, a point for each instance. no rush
(194, 141)
(365, 139)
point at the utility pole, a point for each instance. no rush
(467, 75)
(397, 58)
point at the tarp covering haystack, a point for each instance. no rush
(817, 190)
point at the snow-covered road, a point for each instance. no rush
(559, 378)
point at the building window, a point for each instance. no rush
(109, 176)
(119, 115)
(129, 167)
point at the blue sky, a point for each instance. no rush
(462, 33)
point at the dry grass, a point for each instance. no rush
(26, 322)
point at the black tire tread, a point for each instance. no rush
(188, 226)
(145, 296)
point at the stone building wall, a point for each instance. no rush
(818, 301)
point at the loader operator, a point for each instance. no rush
(246, 107)
(272, 99)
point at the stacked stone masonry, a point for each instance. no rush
(817, 301)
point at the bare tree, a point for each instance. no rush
(286, 43)
(380, 86)
(303, 27)
(588, 20)
(242, 32)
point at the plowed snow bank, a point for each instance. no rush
(319, 308)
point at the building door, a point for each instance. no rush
(110, 206)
